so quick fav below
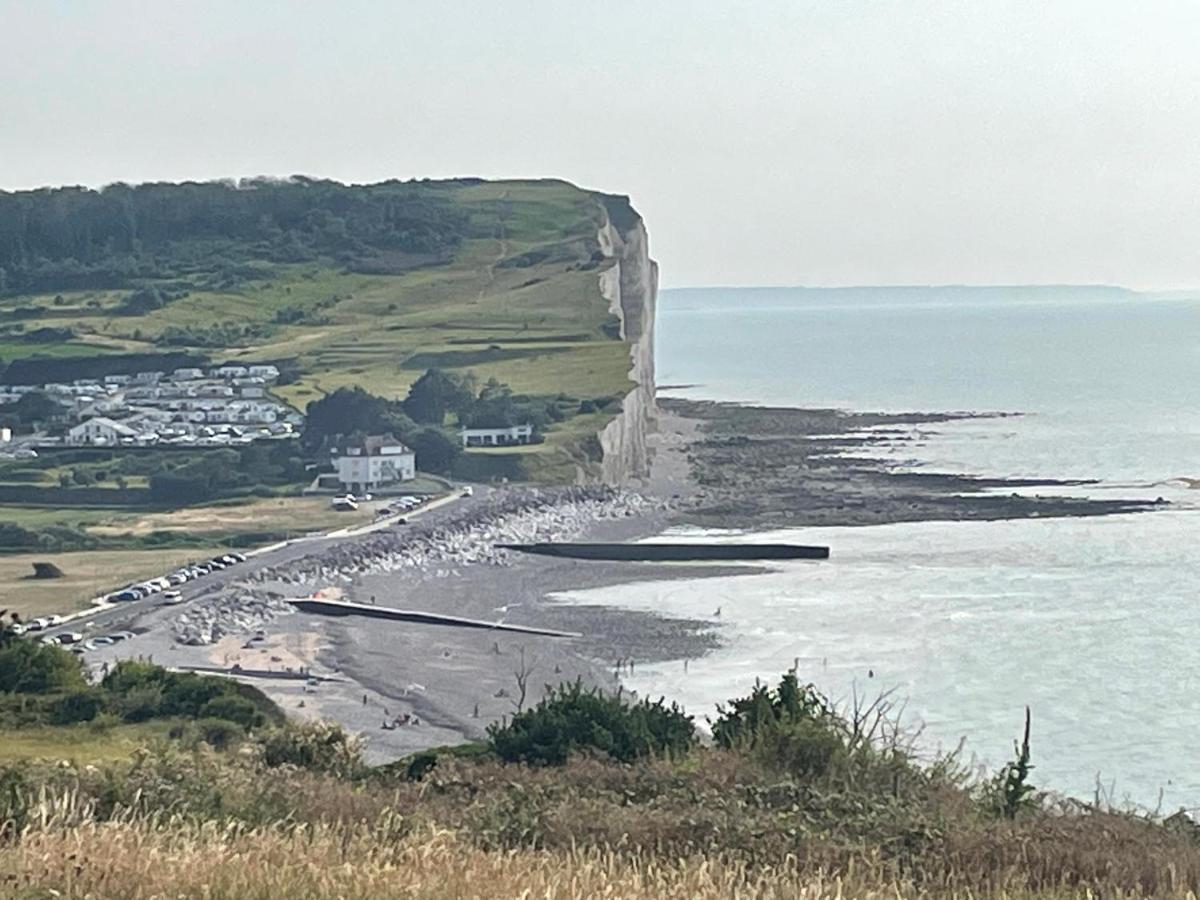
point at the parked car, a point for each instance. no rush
(70, 637)
(120, 636)
(125, 596)
(468, 491)
(48, 639)
(18, 628)
(240, 557)
(172, 597)
(176, 578)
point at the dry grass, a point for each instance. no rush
(273, 514)
(712, 825)
(136, 860)
(148, 859)
(86, 574)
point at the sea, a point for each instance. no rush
(1093, 623)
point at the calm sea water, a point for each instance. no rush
(1094, 623)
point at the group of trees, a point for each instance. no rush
(211, 474)
(420, 419)
(349, 413)
(75, 237)
(31, 410)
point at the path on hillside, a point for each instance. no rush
(489, 270)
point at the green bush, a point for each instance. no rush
(317, 746)
(573, 718)
(233, 709)
(33, 668)
(77, 706)
(141, 703)
(748, 719)
(218, 733)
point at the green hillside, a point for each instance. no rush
(338, 285)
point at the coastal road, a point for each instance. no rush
(117, 616)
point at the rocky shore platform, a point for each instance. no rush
(771, 467)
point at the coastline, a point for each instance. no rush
(447, 684)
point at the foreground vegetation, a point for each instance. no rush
(791, 798)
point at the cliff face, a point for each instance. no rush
(630, 285)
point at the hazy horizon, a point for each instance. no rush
(784, 143)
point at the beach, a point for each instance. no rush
(408, 686)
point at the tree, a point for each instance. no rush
(436, 449)
(343, 412)
(33, 668)
(434, 394)
(35, 407)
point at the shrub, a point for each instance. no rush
(77, 706)
(748, 719)
(34, 668)
(141, 703)
(573, 718)
(318, 746)
(233, 709)
(220, 734)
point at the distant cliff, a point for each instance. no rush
(630, 285)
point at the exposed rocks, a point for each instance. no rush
(239, 613)
(439, 551)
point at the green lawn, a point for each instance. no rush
(79, 743)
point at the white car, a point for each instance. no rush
(172, 597)
(18, 628)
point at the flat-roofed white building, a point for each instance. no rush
(496, 437)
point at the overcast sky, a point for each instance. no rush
(765, 142)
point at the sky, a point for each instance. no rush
(767, 142)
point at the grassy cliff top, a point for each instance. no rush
(339, 285)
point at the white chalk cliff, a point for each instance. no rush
(630, 285)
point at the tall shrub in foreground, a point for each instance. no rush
(574, 719)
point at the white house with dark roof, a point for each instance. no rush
(100, 430)
(373, 462)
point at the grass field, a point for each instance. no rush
(523, 306)
(80, 744)
(273, 514)
(86, 574)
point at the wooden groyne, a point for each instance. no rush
(663, 552)
(370, 611)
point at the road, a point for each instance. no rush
(117, 616)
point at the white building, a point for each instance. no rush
(99, 431)
(187, 374)
(372, 462)
(496, 437)
(268, 373)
